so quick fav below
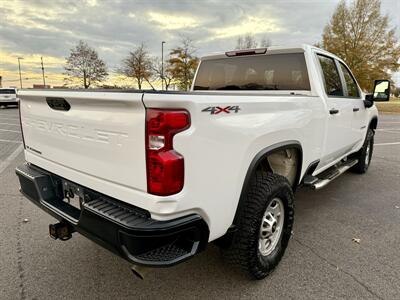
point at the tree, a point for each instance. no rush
(138, 65)
(249, 42)
(359, 34)
(265, 42)
(162, 73)
(84, 65)
(246, 42)
(183, 63)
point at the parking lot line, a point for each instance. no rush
(9, 130)
(3, 114)
(10, 141)
(395, 131)
(4, 164)
(387, 144)
(1, 118)
(9, 124)
(385, 129)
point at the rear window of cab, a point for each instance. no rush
(7, 91)
(254, 72)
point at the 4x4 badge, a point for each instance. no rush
(214, 110)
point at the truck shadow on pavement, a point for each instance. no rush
(81, 269)
(206, 275)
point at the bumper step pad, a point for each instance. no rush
(169, 252)
(125, 216)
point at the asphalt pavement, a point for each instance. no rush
(322, 261)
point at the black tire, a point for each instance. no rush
(365, 154)
(244, 249)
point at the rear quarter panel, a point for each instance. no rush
(218, 148)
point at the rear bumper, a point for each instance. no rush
(126, 230)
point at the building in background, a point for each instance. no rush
(41, 86)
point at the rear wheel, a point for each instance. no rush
(365, 154)
(264, 226)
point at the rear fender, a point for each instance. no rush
(255, 164)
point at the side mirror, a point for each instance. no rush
(381, 93)
(381, 90)
(369, 100)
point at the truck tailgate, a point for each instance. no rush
(102, 134)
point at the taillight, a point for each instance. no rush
(20, 122)
(165, 166)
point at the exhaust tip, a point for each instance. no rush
(138, 271)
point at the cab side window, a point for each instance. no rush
(333, 84)
(352, 89)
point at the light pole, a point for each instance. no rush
(162, 65)
(19, 67)
(44, 81)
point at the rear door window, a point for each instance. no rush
(352, 88)
(333, 84)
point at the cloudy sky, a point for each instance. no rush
(43, 28)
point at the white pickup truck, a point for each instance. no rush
(156, 176)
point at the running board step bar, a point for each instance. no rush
(328, 176)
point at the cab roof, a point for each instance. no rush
(266, 51)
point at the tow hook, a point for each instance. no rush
(61, 231)
(139, 271)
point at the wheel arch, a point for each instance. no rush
(373, 124)
(262, 157)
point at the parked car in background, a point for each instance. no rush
(8, 96)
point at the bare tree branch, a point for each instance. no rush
(84, 66)
(249, 42)
(138, 66)
(161, 73)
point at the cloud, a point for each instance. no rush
(91, 2)
(172, 22)
(250, 25)
(31, 16)
(51, 28)
(30, 60)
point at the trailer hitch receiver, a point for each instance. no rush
(61, 231)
